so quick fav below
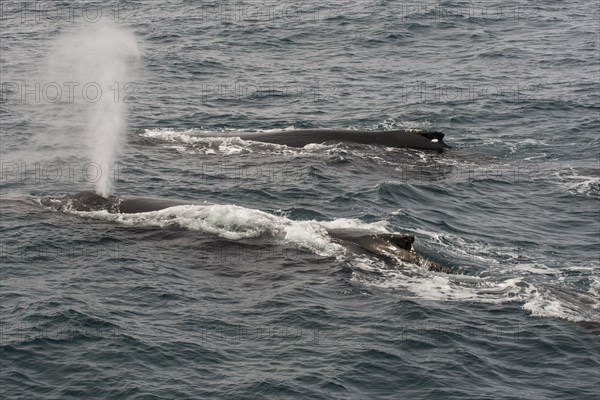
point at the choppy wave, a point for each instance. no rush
(582, 185)
(168, 306)
(227, 142)
(236, 223)
(497, 283)
(508, 281)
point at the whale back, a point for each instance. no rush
(389, 245)
(131, 205)
(408, 138)
(90, 201)
(82, 201)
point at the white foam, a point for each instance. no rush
(355, 224)
(235, 223)
(194, 141)
(226, 142)
(581, 307)
(586, 186)
(500, 284)
(99, 55)
(428, 285)
(576, 183)
(289, 128)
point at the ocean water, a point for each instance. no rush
(245, 295)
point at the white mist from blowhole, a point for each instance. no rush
(94, 63)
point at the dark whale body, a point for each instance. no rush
(146, 204)
(90, 201)
(388, 245)
(407, 138)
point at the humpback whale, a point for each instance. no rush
(390, 246)
(386, 245)
(407, 138)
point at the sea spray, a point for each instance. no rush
(92, 64)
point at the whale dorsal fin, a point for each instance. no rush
(403, 241)
(432, 135)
